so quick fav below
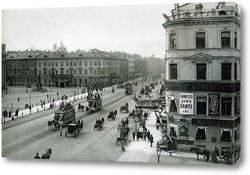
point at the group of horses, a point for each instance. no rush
(53, 125)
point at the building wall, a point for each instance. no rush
(187, 56)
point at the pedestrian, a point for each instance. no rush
(10, 114)
(148, 136)
(151, 140)
(18, 99)
(137, 135)
(133, 134)
(17, 111)
(47, 96)
(53, 100)
(144, 135)
(37, 156)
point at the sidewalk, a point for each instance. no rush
(38, 108)
(140, 151)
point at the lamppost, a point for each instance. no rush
(30, 102)
(158, 153)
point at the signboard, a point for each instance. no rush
(216, 122)
(202, 86)
(187, 103)
(214, 104)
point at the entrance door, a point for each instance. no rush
(62, 84)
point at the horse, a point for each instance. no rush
(198, 151)
(50, 125)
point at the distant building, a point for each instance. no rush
(54, 47)
(62, 48)
(4, 76)
(203, 76)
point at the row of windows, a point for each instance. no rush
(224, 107)
(201, 134)
(201, 40)
(201, 71)
(55, 64)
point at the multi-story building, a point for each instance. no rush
(156, 66)
(4, 84)
(64, 69)
(203, 76)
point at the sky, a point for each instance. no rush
(130, 28)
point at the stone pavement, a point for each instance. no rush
(140, 151)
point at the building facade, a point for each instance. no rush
(203, 76)
(64, 69)
(4, 55)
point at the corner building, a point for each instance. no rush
(203, 76)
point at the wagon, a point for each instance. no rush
(124, 108)
(72, 129)
(99, 124)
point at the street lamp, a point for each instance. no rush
(158, 153)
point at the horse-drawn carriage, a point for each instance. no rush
(129, 89)
(95, 103)
(47, 154)
(112, 115)
(167, 143)
(142, 91)
(124, 108)
(124, 133)
(74, 129)
(225, 155)
(99, 124)
(64, 115)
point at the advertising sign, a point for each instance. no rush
(214, 104)
(187, 103)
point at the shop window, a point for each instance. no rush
(226, 71)
(201, 106)
(173, 71)
(225, 135)
(201, 70)
(201, 133)
(200, 40)
(226, 105)
(225, 39)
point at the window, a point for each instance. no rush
(52, 64)
(39, 64)
(44, 64)
(226, 105)
(200, 40)
(86, 71)
(201, 133)
(201, 71)
(61, 63)
(71, 63)
(67, 63)
(225, 135)
(56, 64)
(173, 71)
(201, 107)
(86, 63)
(225, 39)
(173, 41)
(173, 106)
(80, 63)
(226, 71)
(49, 64)
(235, 40)
(74, 71)
(235, 71)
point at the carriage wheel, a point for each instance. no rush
(214, 159)
(66, 133)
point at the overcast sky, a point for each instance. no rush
(133, 29)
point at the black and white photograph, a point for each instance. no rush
(131, 84)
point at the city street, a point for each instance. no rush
(25, 136)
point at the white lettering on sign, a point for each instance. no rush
(187, 103)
